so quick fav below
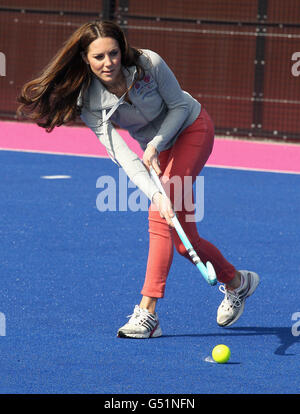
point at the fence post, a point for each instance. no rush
(259, 63)
(122, 14)
(108, 9)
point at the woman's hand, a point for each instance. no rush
(150, 159)
(164, 207)
(163, 204)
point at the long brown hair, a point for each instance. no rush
(51, 99)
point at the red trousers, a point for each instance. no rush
(187, 157)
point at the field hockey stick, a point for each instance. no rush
(208, 271)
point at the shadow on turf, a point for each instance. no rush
(284, 334)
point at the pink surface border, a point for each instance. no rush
(80, 141)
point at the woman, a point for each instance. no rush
(110, 82)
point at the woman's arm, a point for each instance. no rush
(173, 97)
(119, 150)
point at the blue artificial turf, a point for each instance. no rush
(70, 275)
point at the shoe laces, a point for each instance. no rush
(231, 296)
(139, 316)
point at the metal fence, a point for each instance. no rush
(239, 58)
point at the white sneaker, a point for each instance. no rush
(232, 306)
(142, 324)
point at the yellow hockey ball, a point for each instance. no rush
(221, 354)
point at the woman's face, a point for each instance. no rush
(104, 58)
